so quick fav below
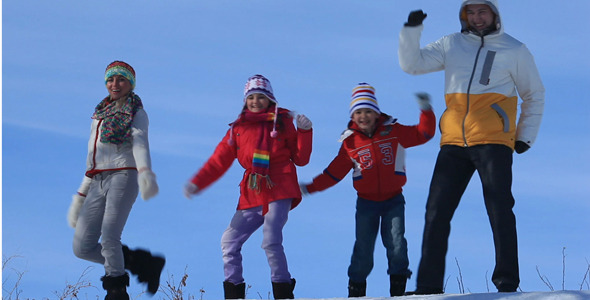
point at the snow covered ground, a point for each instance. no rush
(557, 295)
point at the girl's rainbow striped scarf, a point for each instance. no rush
(261, 155)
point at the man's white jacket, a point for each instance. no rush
(482, 78)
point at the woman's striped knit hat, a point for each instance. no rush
(120, 68)
(363, 96)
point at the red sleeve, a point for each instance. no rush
(222, 158)
(302, 153)
(338, 168)
(299, 142)
(410, 136)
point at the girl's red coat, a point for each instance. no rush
(291, 147)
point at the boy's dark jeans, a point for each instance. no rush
(453, 171)
(372, 217)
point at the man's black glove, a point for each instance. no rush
(521, 147)
(415, 18)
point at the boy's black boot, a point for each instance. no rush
(283, 290)
(116, 287)
(397, 285)
(146, 266)
(357, 289)
(234, 291)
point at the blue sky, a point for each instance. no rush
(192, 59)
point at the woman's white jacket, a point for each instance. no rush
(134, 154)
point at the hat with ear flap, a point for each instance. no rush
(363, 96)
(120, 68)
(258, 84)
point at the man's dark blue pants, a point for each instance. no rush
(453, 170)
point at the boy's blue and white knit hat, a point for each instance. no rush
(259, 84)
(363, 96)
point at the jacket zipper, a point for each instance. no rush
(376, 164)
(469, 91)
(94, 149)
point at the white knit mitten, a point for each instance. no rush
(148, 187)
(190, 189)
(303, 122)
(74, 211)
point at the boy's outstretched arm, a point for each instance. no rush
(336, 170)
(419, 134)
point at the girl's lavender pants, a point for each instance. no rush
(241, 227)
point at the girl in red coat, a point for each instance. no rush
(373, 146)
(268, 147)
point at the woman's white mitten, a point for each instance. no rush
(148, 187)
(74, 211)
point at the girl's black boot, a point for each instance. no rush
(283, 290)
(234, 291)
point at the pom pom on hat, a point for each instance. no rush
(120, 68)
(363, 96)
(259, 84)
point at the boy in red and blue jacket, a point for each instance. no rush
(374, 147)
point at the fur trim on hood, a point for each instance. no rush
(385, 120)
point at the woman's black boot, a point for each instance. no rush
(146, 266)
(116, 287)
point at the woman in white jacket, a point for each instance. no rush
(118, 165)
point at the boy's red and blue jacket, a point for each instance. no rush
(378, 162)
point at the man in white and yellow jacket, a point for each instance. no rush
(485, 72)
